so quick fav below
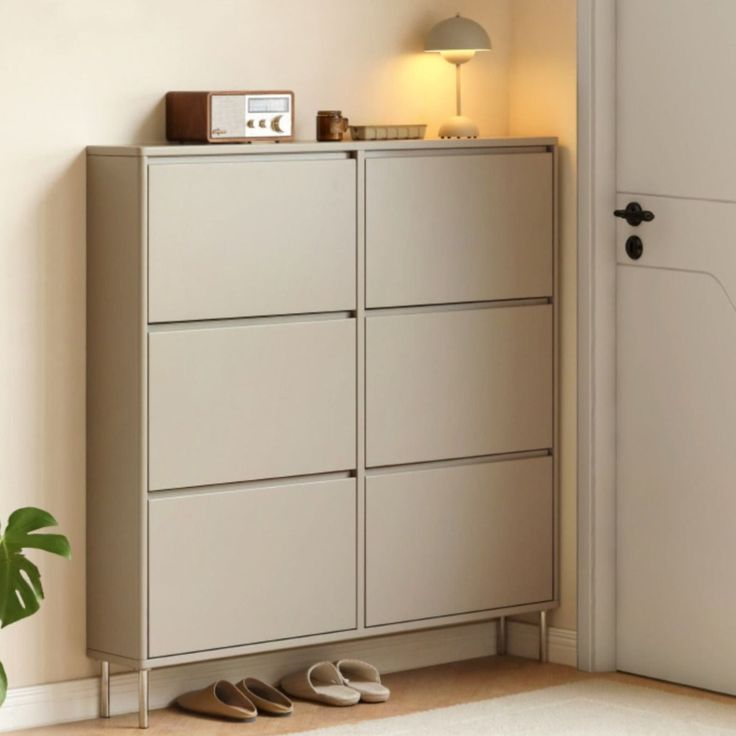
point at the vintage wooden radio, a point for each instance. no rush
(229, 117)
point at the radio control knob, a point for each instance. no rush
(262, 123)
(276, 124)
(251, 123)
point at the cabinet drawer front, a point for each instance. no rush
(459, 539)
(453, 384)
(458, 228)
(253, 238)
(251, 565)
(242, 403)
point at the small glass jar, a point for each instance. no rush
(331, 125)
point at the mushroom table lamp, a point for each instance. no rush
(457, 39)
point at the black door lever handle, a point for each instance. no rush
(634, 214)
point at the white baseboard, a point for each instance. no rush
(77, 700)
(562, 644)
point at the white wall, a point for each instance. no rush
(76, 72)
(543, 101)
(94, 71)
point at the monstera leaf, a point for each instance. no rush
(20, 581)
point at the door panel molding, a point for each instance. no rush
(675, 502)
(596, 335)
(679, 225)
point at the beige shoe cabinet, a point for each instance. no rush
(321, 393)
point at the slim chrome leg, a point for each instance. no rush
(142, 698)
(104, 689)
(543, 636)
(501, 636)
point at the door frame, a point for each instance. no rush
(596, 35)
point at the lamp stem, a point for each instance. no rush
(458, 99)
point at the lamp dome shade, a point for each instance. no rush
(456, 34)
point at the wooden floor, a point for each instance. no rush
(416, 690)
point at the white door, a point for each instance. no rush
(676, 341)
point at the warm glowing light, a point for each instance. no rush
(458, 56)
(457, 39)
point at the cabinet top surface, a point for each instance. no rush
(210, 149)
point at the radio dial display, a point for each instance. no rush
(268, 104)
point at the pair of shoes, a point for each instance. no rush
(241, 702)
(343, 683)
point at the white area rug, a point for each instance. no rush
(592, 708)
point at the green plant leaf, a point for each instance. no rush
(29, 519)
(3, 684)
(21, 592)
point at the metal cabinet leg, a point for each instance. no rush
(501, 646)
(104, 689)
(142, 698)
(543, 636)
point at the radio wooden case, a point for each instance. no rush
(229, 117)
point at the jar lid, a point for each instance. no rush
(333, 113)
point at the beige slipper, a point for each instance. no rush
(364, 678)
(321, 683)
(267, 699)
(221, 699)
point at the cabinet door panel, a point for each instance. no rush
(248, 402)
(458, 228)
(462, 383)
(455, 540)
(251, 565)
(252, 238)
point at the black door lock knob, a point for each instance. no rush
(634, 247)
(634, 214)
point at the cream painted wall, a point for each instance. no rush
(543, 101)
(94, 71)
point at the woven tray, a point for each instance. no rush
(387, 132)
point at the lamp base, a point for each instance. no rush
(458, 126)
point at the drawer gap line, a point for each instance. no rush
(458, 306)
(458, 462)
(218, 322)
(235, 486)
